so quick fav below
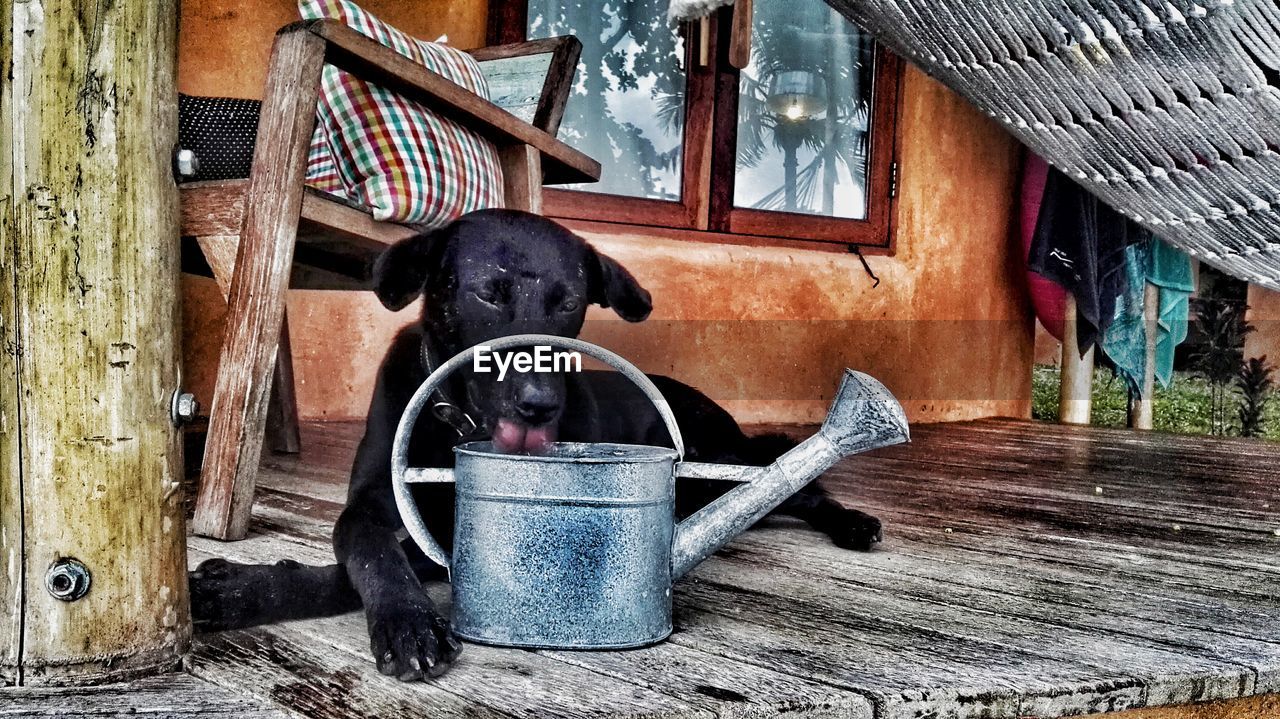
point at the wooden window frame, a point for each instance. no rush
(705, 210)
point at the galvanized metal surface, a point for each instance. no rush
(569, 550)
(577, 548)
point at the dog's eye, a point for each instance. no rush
(489, 297)
(570, 305)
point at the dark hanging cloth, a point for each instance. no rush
(1079, 243)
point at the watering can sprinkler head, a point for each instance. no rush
(864, 415)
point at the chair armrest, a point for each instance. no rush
(375, 63)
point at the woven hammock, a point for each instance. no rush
(1167, 111)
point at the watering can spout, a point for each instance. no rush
(863, 416)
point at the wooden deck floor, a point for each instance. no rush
(1027, 570)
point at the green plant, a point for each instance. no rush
(1218, 359)
(1181, 407)
(1254, 384)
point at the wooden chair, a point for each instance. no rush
(265, 234)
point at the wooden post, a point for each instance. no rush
(282, 414)
(1144, 408)
(1075, 401)
(90, 461)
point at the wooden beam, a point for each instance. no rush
(272, 210)
(215, 209)
(1075, 401)
(90, 462)
(282, 408)
(521, 173)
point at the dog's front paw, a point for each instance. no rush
(855, 530)
(410, 640)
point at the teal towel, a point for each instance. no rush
(1125, 342)
(1170, 270)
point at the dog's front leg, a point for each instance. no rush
(409, 637)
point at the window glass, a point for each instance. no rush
(627, 105)
(804, 112)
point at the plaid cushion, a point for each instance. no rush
(403, 161)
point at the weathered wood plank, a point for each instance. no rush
(282, 422)
(515, 82)
(282, 415)
(177, 695)
(273, 205)
(90, 227)
(1037, 589)
(11, 527)
(532, 79)
(1164, 672)
(332, 235)
(1002, 616)
(307, 677)
(1086, 629)
(727, 687)
(1243, 544)
(929, 674)
(513, 681)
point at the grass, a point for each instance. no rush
(1182, 407)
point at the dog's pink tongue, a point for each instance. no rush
(508, 437)
(538, 441)
(512, 438)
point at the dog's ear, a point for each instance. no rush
(402, 270)
(612, 286)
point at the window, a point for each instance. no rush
(796, 148)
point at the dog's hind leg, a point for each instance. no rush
(229, 595)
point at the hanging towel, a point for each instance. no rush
(1079, 243)
(1125, 340)
(1171, 271)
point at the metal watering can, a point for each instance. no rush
(578, 548)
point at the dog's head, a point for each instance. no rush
(495, 273)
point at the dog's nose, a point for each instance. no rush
(535, 404)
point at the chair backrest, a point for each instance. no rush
(532, 80)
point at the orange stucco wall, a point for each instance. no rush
(1264, 313)
(763, 330)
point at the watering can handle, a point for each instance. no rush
(402, 473)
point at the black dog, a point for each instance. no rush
(489, 274)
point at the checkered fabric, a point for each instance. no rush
(403, 161)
